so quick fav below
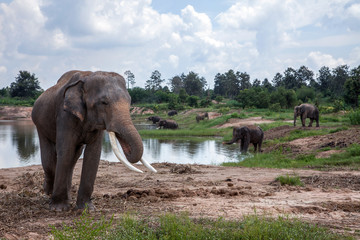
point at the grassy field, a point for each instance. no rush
(170, 226)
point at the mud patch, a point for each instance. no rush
(235, 122)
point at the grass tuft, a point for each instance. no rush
(289, 180)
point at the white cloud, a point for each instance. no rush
(354, 10)
(260, 37)
(174, 60)
(3, 69)
(319, 59)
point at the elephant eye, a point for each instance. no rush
(104, 102)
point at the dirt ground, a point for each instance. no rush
(329, 198)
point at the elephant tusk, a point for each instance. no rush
(119, 155)
(146, 164)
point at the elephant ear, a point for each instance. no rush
(73, 97)
(302, 109)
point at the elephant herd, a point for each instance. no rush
(248, 134)
(72, 116)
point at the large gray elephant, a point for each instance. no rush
(74, 113)
(306, 111)
(247, 134)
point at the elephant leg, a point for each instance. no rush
(255, 147)
(88, 174)
(303, 118)
(260, 143)
(48, 161)
(317, 122)
(311, 121)
(66, 160)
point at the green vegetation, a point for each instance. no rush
(276, 159)
(289, 180)
(170, 226)
(354, 117)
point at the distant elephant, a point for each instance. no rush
(168, 124)
(154, 119)
(172, 113)
(202, 116)
(72, 115)
(247, 135)
(306, 111)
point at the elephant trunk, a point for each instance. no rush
(295, 116)
(122, 129)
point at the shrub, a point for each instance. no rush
(354, 117)
(323, 109)
(276, 107)
(288, 180)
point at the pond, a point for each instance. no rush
(19, 146)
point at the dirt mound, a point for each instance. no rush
(312, 144)
(278, 132)
(13, 113)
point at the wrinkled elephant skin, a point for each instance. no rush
(72, 116)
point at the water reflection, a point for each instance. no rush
(19, 146)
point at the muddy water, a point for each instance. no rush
(19, 146)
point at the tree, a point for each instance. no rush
(26, 85)
(244, 80)
(256, 83)
(232, 86)
(324, 80)
(176, 83)
(267, 85)
(352, 88)
(340, 75)
(278, 80)
(220, 84)
(290, 79)
(138, 95)
(130, 78)
(154, 83)
(304, 76)
(193, 84)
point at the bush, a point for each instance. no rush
(323, 109)
(276, 107)
(354, 117)
(192, 101)
(288, 180)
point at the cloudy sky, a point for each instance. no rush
(260, 37)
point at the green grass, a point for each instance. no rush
(350, 159)
(170, 226)
(289, 180)
(7, 101)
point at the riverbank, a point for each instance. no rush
(15, 113)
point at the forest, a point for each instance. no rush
(332, 90)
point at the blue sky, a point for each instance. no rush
(260, 37)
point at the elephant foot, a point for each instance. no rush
(48, 188)
(60, 207)
(89, 206)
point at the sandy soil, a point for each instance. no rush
(329, 198)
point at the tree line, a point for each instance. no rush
(339, 87)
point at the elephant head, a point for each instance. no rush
(297, 112)
(101, 102)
